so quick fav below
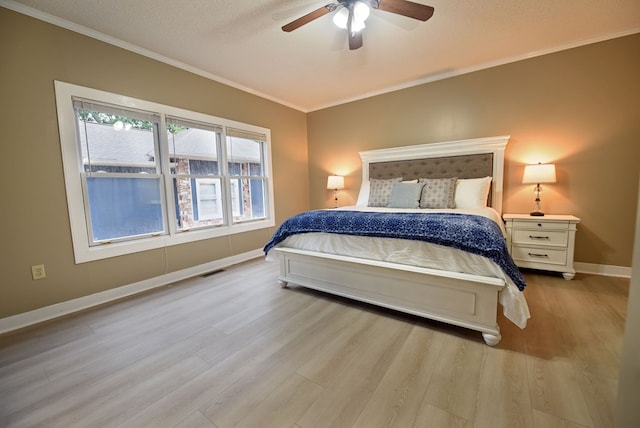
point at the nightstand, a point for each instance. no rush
(545, 243)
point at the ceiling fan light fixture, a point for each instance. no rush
(360, 14)
(340, 18)
(351, 15)
(357, 25)
(361, 11)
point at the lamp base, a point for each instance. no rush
(537, 214)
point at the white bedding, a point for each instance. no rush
(418, 253)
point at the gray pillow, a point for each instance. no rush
(405, 195)
(438, 192)
(380, 191)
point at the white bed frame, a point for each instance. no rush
(464, 300)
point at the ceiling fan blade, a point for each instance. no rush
(355, 37)
(407, 8)
(321, 11)
(355, 40)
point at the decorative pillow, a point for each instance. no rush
(380, 190)
(363, 195)
(472, 192)
(438, 192)
(405, 195)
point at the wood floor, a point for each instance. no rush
(234, 349)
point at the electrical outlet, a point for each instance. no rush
(37, 272)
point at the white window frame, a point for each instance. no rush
(72, 164)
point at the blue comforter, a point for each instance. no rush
(475, 234)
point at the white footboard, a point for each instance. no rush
(455, 298)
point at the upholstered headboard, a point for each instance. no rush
(475, 158)
(464, 166)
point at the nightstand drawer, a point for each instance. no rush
(554, 238)
(541, 225)
(540, 255)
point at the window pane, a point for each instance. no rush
(124, 207)
(255, 169)
(244, 156)
(203, 167)
(192, 150)
(116, 143)
(248, 199)
(193, 155)
(245, 165)
(257, 198)
(198, 202)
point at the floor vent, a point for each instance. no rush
(213, 272)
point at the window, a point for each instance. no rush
(244, 156)
(195, 176)
(139, 175)
(121, 178)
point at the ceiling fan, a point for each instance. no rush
(352, 14)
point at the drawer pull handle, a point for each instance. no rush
(538, 255)
(538, 237)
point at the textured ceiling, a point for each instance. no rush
(239, 42)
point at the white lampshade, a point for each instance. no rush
(335, 182)
(540, 173)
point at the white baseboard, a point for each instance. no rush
(47, 313)
(604, 270)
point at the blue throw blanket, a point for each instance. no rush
(475, 234)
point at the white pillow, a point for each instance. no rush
(363, 196)
(472, 192)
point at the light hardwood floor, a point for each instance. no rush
(234, 349)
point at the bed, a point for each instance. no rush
(445, 259)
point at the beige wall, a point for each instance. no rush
(34, 212)
(578, 108)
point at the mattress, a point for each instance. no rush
(418, 253)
